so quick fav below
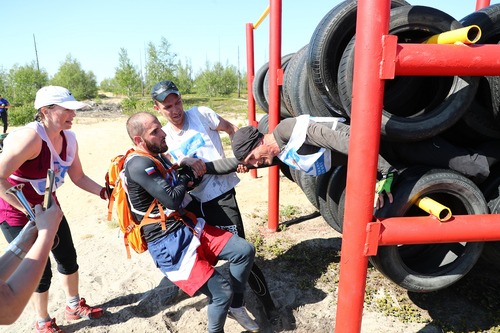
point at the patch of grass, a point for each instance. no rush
(289, 212)
(226, 140)
(218, 104)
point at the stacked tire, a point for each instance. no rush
(464, 110)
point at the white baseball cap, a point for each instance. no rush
(57, 95)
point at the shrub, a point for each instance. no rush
(21, 115)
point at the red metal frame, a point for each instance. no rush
(378, 57)
(250, 77)
(275, 78)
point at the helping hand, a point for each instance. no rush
(241, 168)
(197, 165)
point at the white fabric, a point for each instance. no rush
(313, 164)
(190, 256)
(201, 140)
(57, 164)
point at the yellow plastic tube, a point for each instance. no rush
(466, 35)
(441, 212)
(261, 18)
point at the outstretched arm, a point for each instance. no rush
(227, 165)
(19, 276)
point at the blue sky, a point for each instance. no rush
(198, 30)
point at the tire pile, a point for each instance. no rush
(464, 110)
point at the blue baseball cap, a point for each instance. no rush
(162, 89)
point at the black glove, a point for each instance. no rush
(187, 174)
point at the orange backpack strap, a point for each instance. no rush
(148, 220)
(190, 215)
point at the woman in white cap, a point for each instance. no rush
(47, 143)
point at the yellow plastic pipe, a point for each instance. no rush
(466, 35)
(441, 212)
(261, 18)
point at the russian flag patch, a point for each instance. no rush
(150, 170)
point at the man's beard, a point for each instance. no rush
(155, 149)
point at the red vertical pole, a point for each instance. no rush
(482, 3)
(274, 106)
(367, 101)
(250, 77)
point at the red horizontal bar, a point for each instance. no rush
(447, 60)
(427, 229)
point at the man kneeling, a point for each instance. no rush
(184, 248)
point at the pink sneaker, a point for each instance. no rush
(82, 311)
(50, 326)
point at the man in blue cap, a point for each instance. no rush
(193, 139)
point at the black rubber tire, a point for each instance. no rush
(488, 96)
(322, 183)
(321, 187)
(318, 106)
(340, 209)
(326, 46)
(258, 87)
(427, 267)
(307, 184)
(487, 19)
(296, 85)
(336, 187)
(284, 111)
(263, 125)
(291, 80)
(481, 119)
(491, 190)
(471, 130)
(415, 108)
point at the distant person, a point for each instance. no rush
(192, 138)
(28, 153)
(23, 264)
(4, 106)
(184, 247)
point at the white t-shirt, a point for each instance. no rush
(200, 139)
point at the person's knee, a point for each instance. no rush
(67, 269)
(45, 281)
(248, 250)
(67, 260)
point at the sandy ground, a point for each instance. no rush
(133, 292)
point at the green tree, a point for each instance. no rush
(3, 81)
(127, 76)
(160, 63)
(217, 80)
(110, 85)
(23, 82)
(71, 75)
(184, 79)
